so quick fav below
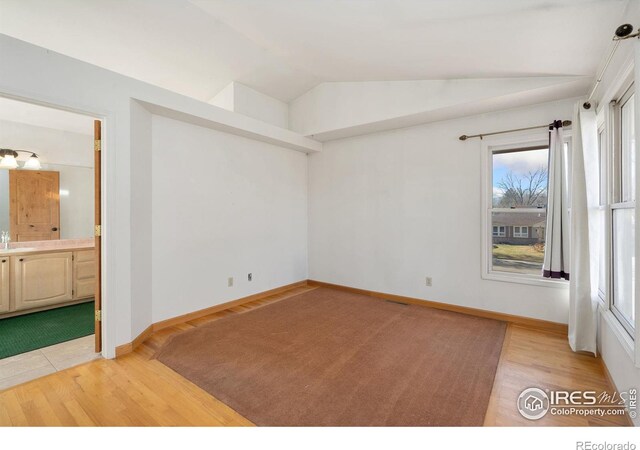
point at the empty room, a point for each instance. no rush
(339, 214)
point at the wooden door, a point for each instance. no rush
(42, 279)
(97, 133)
(4, 284)
(34, 205)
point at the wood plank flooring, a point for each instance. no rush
(138, 390)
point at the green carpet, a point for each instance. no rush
(40, 329)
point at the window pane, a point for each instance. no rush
(601, 168)
(624, 263)
(519, 251)
(628, 150)
(602, 279)
(520, 178)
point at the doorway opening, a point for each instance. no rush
(50, 240)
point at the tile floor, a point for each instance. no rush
(25, 367)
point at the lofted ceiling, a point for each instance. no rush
(283, 48)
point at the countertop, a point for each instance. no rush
(68, 245)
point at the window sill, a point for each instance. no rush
(523, 279)
(619, 331)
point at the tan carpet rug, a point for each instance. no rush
(327, 357)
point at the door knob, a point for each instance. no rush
(54, 229)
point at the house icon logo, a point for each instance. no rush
(533, 403)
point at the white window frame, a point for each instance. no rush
(489, 146)
(614, 197)
(499, 233)
(520, 233)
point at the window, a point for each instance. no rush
(622, 213)
(521, 232)
(499, 231)
(517, 212)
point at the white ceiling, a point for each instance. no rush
(285, 47)
(41, 116)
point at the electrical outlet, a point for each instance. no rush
(250, 277)
(428, 281)
(230, 282)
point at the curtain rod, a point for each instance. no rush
(464, 137)
(622, 32)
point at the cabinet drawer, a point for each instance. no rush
(85, 270)
(42, 279)
(85, 288)
(85, 255)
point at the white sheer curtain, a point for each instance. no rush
(556, 251)
(585, 232)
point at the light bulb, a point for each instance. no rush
(8, 162)
(32, 163)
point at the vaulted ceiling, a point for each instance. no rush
(283, 48)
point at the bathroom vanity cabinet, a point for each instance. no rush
(35, 280)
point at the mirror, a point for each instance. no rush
(34, 208)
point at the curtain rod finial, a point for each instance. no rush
(463, 137)
(566, 123)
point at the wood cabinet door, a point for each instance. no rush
(42, 279)
(34, 205)
(84, 274)
(4, 284)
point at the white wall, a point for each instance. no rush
(247, 101)
(52, 145)
(141, 219)
(341, 109)
(388, 209)
(43, 76)
(224, 98)
(4, 200)
(76, 201)
(224, 207)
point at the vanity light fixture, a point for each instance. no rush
(9, 159)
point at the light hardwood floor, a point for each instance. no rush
(138, 390)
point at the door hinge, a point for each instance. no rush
(97, 145)
(98, 315)
(98, 231)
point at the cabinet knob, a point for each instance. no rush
(4, 260)
(54, 229)
(21, 259)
